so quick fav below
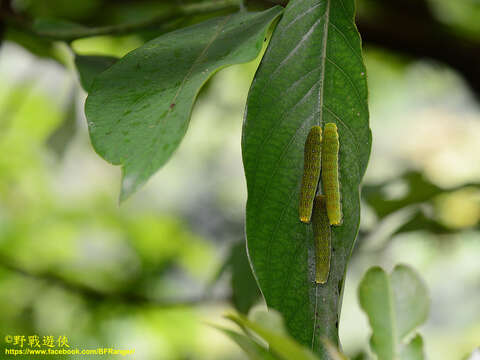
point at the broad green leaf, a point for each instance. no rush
(312, 74)
(282, 345)
(395, 306)
(253, 350)
(90, 66)
(138, 110)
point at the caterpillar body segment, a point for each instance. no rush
(322, 235)
(330, 180)
(311, 172)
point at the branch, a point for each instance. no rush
(409, 27)
(83, 31)
(99, 296)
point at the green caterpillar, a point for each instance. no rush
(311, 172)
(330, 182)
(323, 237)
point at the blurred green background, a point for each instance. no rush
(152, 273)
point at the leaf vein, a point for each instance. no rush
(282, 119)
(342, 34)
(276, 227)
(355, 141)
(280, 159)
(298, 17)
(350, 80)
(297, 47)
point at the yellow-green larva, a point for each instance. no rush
(311, 172)
(322, 235)
(330, 182)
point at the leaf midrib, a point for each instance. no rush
(323, 57)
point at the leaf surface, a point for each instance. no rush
(138, 110)
(312, 74)
(252, 349)
(90, 66)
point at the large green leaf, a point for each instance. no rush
(312, 74)
(138, 110)
(395, 306)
